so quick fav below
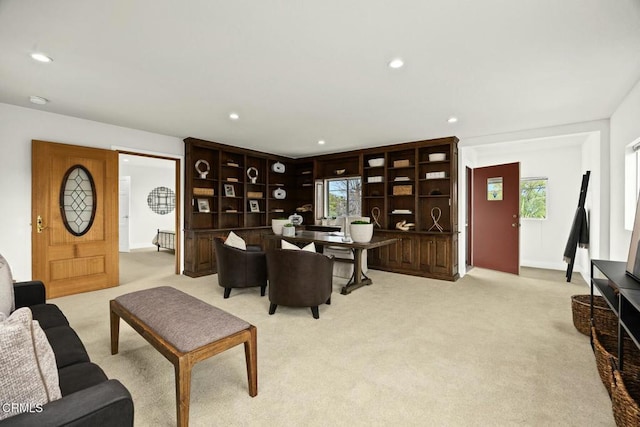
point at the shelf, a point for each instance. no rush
(374, 197)
(232, 213)
(427, 162)
(434, 179)
(256, 183)
(205, 213)
(401, 167)
(204, 179)
(434, 196)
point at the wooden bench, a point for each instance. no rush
(185, 330)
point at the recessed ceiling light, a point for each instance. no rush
(452, 119)
(41, 57)
(396, 63)
(321, 142)
(234, 116)
(38, 100)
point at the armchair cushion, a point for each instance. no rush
(235, 241)
(7, 302)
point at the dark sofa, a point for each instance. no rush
(89, 398)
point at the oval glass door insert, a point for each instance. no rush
(78, 200)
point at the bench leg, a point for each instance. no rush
(115, 330)
(183, 390)
(251, 356)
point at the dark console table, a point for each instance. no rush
(622, 293)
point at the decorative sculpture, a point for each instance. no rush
(404, 225)
(205, 171)
(436, 213)
(252, 173)
(375, 214)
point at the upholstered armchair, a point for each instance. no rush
(299, 278)
(239, 268)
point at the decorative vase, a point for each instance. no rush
(276, 225)
(289, 231)
(361, 233)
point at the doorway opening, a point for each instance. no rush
(149, 195)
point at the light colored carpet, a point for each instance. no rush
(491, 349)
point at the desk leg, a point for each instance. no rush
(357, 281)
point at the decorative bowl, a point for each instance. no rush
(339, 171)
(376, 162)
(437, 157)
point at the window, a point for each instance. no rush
(343, 197)
(631, 182)
(533, 198)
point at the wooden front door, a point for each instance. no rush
(496, 218)
(76, 257)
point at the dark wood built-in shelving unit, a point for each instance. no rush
(399, 189)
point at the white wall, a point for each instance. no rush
(625, 128)
(143, 222)
(18, 126)
(542, 242)
(590, 154)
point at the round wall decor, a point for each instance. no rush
(162, 200)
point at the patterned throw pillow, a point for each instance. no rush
(235, 241)
(311, 247)
(7, 300)
(22, 385)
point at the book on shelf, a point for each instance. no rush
(233, 164)
(401, 211)
(232, 179)
(436, 175)
(402, 178)
(231, 211)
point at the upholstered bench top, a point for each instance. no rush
(182, 320)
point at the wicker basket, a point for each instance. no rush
(625, 395)
(605, 348)
(604, 319)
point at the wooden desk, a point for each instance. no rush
(358, 279)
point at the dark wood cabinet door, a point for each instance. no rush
(436, 255)
(440, 257)
(403, 254)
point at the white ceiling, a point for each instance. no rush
(298, 71)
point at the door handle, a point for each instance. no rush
(39, 226)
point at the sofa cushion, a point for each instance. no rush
(48, 315)
(66, 345)
(79, 377)
(21, 373)
(46, 362)
(235, 241)
(7, 300)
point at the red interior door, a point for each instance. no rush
(496, 218)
